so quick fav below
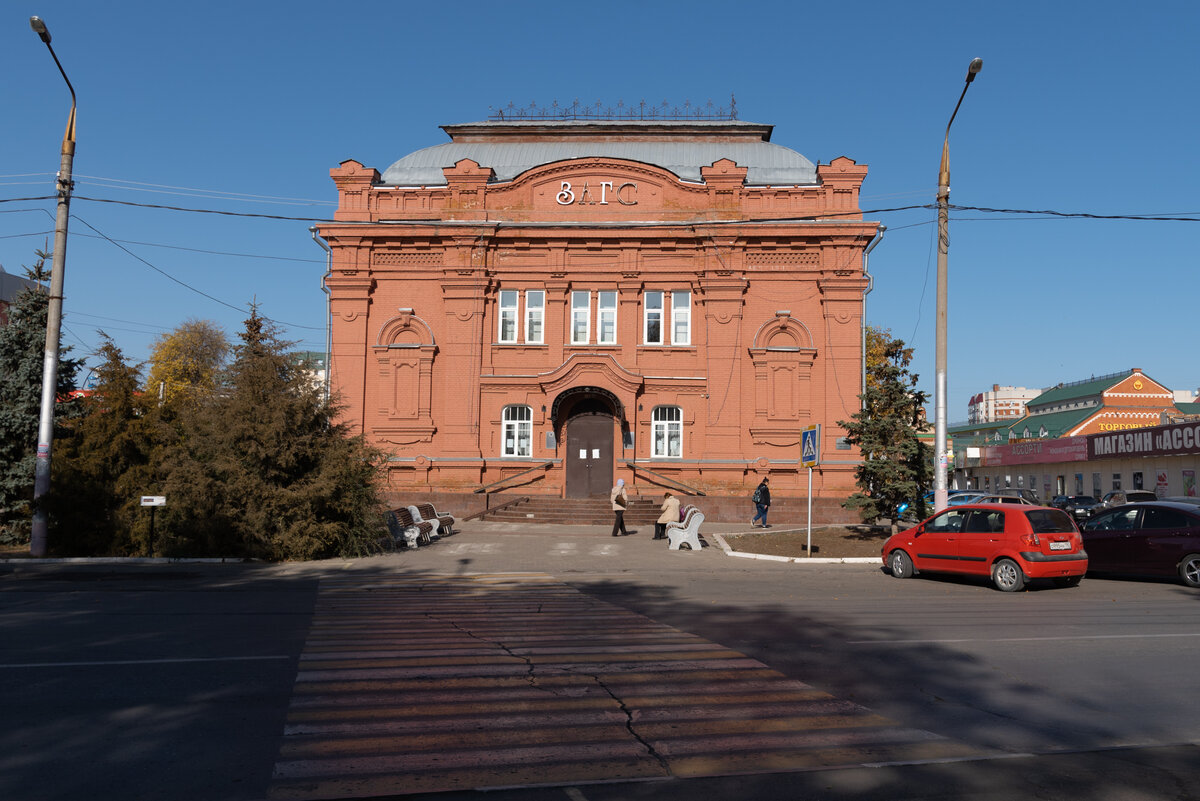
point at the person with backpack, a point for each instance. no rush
(762, 502)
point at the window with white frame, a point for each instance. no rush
(681, 318)
(606, 318)
(518, 431)
(652, 324)
(581, 317)
(667, 432)
(535, 315)
(508, 315)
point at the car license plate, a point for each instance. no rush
(1060, 546)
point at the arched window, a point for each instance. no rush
(667, 434)
(518, 431)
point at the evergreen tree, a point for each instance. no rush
(260, 471)
(22, 358)
(102, 469)
(896, 467)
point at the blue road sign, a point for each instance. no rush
(810, 446)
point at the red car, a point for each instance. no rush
(1009, 543)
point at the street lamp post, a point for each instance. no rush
(940, 462)
(41, 477)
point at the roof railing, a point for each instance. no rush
(1117, 374)
(599, 111)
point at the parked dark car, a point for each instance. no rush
(1080, 507)
(1058, 501)
(1027, 494)
(1160, 538)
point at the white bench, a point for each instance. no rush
(406, 531)
(436, 524)
(687, 531)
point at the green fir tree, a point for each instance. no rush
(896, 465)
(22, 358)
(261, 471)
(102, 468)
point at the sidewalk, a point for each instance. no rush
(482, 536)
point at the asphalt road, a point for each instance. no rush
(130, 681)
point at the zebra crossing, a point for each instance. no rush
(432, 683)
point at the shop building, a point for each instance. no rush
(557, 304)
(1162, 459)
(1084, 437)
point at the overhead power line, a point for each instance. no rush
(184, 284)
(1083, 215)
(1184, 217)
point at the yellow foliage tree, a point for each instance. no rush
(185, 363)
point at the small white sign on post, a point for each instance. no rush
(154, 500)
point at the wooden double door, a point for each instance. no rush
(589, 456)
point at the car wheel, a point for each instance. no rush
(1007, 576)
(900, 564)
(1189, 569)
(1067, 581)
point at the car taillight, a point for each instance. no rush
(1031, 539)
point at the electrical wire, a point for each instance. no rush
(115, 183)
(804, 218)
(184, 284)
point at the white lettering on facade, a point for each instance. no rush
(625, 194)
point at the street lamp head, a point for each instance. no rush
(40, 28)
(973, 70)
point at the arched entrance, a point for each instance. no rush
(589, 427)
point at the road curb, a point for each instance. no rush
(799, 560)
(127, 560)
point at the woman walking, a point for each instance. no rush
(620, 500)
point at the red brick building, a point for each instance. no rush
(571, 302)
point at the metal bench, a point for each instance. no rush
(405, 530)
(429, 513)
(687, 531)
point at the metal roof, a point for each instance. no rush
(1077, 390)
(1055, 423)
(510, 149)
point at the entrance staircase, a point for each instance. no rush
(576, 511)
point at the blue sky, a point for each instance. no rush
(244, 107)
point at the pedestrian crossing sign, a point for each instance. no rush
(810, 445)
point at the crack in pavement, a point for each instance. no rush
(530, 667)
(531, 678)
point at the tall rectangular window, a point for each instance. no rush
(535, 315)
(508, 315)
(606, 318)
(581, 318)
(653, 319)
(667, 432)
(681, 318)
(518, 431)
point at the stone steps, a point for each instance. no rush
(576, 511)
